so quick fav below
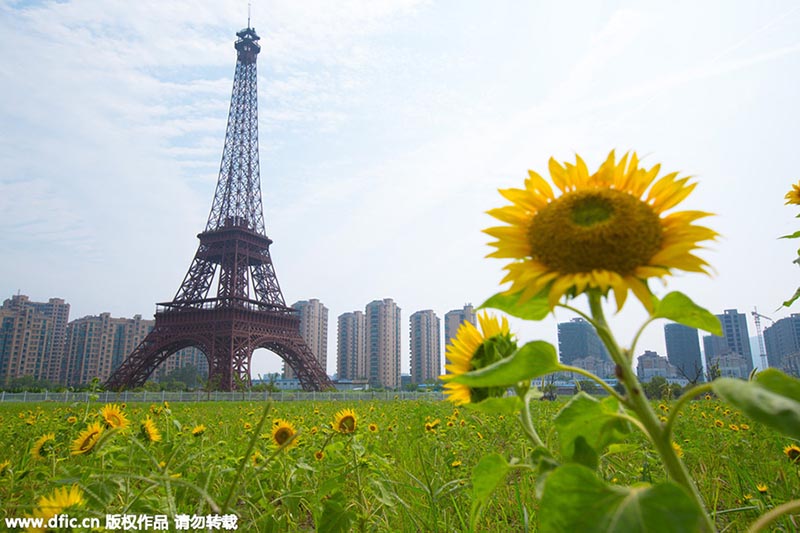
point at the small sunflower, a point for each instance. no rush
(456, 463)
(257, 458)
(87, 439)
(4, 467)
(792, 451)
(150, 431)
(793, 196)
(431, 426)
(677, 448)
(762, 488)
(72, 419)
(345, 421)
(114, 416)
(604, 231)
(472, 349)
(38, 451)
(284, 432)
(319, 455)
(198, 430)
(373, 428)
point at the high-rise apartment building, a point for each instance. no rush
(453, 320)
(97, 345)
(32, 338)
(782, 341)
(314, 330)
(735, 339)
(425, 345)
(351, 346)
(577, 339)
(683, 351)
(383, 343)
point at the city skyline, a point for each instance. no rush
(84, 360)
(385, 132)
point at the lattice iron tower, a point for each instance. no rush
(248, 311)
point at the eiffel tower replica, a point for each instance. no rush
(248, 311)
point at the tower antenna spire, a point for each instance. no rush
(248, 14)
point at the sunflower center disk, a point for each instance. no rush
(601, 229)
(282, 435)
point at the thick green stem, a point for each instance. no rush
(638, 402)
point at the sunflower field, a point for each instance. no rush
(366, 466)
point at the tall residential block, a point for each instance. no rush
(735, 339)
(782, 341)
(97, 345)
(577, 339)
(683, 351)
(32, 338)
(383, 343)
(453, 320)
(314, 330)
(351, 346)
(425, 345)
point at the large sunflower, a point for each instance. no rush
(114, 416)
(150, 430)
(472, 349)
(282, 432)
(43, 446)
(345, 421)
(87, 439)
(793, 196)
(60, 500)
(606, 230)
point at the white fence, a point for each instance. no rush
(218, 396)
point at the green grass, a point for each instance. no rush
(401, 477)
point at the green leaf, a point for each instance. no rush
(535, 308)
(533, 360)
(575, 499)
(794, 235)
(680, 308)
(486, 475)
(336, 518)
(587, 422)
(794, 297)
(508, 405)
(622, 448)
(772, 399)
(780, 383)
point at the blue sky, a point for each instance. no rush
(385, 130)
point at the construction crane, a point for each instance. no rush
(757, 318)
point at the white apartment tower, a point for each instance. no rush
(352, 346)
(314, 330)
(425, 344)
(383, 343)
